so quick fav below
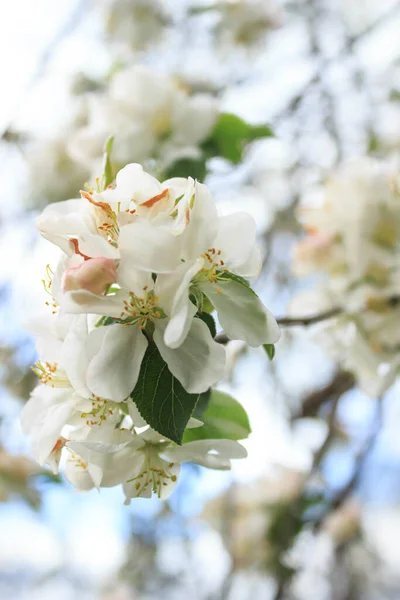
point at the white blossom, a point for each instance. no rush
(140, 262)
(246, 22)
(150, 115)
(352, 243)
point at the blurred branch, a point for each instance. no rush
(341, 382)
(305, 321)
(321, 452)
(340, 498)
(347, 48)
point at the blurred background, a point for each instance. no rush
(314, 511)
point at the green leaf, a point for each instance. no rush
(188, 167)
(230, 136)
(161, 400)
(108, 174)
(270, 350)
(224, 418)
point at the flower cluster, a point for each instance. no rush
(155, 120)
(134, 24)
(352, 240)
(246, 22)
(152, 116)
(126, 349)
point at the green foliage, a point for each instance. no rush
(223, 418)
(108, 173)
(270, 350)
(188, 167)
(230, 136)
(161, 400)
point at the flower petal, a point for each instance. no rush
(74, 357)
(173, 292)
(113, 371)
(150, 248)
(241, 313)
(198, 363)
(133, 183)
(82, 301)
(214, 454)
(236, 238)
(200, 233)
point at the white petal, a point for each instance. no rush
(133, 183)
(114, 369)
(135, 415)
(74, 356)
(179, 223)
(200, 233)
(44, 417)
(65, 218)
(96, 246)
(173, 292)
(82, 301)
(199, 362)
(130, 277)
(241, 313)
(149, 247)
(214, 454)
(77, 475)
(236, 238)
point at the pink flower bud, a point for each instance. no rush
(93, 275)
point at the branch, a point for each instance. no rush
(293, 321)
(341, 382)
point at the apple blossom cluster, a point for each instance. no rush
(151, 116)
(154, 118)
(351, 249)
(127, 355)
(134, 24)
(246, 22)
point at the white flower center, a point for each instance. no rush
(156, 472)
(101, 411)
(138, 310)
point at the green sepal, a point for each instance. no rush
(108, 173)
(270, 350)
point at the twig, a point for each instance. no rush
(293, 321)
(321, 452)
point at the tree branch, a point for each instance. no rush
(341, 382)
